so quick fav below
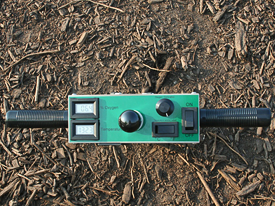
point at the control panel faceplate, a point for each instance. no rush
(134, 118)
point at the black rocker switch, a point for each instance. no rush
(165, 129)
(189, 120)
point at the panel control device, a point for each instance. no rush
(134, 118)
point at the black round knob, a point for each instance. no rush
(130, 121)
(165, 107)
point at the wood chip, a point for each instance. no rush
(158, 171)
(255, 84)
(104, 191)
(268, 145)
(70, 145)
(9, 187)
(11, 55)
(259, 131)
(229, 180)
(60, 153)
(190, 7)
(116, 156)
(183, 61)
(16, 93)
(211, 88)
(81, 156)
(65, 24)
(220, 157)
(250, 177)
(230, 53)
(260, 176)
(259, 146)
(74, 41)
(162, 75)
(238, 167)
(127, 191)
(255, 163)
(240, 41)
(249, 188)
(242, 179)
(243, 20)
(65, 192)
(82, 38)
(63, 11)
(202, 8)
(37, 88)
(211, 7)
(235, 85)
(230, 169)
(154, 1)
(237, 136)
(220, 14)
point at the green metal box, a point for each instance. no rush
(95, 118)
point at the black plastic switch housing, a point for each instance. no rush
(165, 129)
(189, 120)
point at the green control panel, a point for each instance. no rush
(134, 118)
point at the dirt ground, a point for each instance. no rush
(221, 49)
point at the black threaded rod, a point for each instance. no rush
(37, 119)
(248, 117)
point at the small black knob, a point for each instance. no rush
(130, 121)
(165, 107)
